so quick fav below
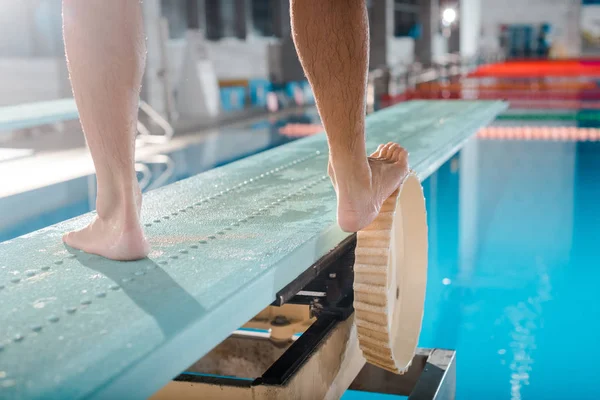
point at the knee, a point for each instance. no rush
(69, 3)
(73, 3)
(69, 8)
(72, 7)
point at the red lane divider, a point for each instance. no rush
(508, 95)
(534, 68)
(540, 133)
(299, 130)
(389, 100)
(491, 132)
(535, 84)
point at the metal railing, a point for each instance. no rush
(401, 78)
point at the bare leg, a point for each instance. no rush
(105, 47)
(332, 40)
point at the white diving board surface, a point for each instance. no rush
(29, 115)
(224, 243)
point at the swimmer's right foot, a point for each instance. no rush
(363, 185)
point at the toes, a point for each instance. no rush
(67, 238)
(398, 153)
(402, 159)
(385, 151)
(70, 239)
(391, 152)
(394, 152)
(377, 153)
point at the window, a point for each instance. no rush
(228, 17)
(176, 14)
(225, 18)
(406, 18)
(262, 17)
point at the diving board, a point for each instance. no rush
(224, 243)
(29, 115)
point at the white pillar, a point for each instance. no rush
(470, 27)
(153, 90)
(427, 46)
(381, 30)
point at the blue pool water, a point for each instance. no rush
(513, 267)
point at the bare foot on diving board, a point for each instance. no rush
(332, 40)
(115, 232)
(362, 187)
(106, 52)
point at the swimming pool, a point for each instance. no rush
(512, 267)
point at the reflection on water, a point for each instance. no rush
(525, 317)
(513, 269)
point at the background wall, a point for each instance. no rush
(30, 28)
(563, 15)
(31, 43)
(590, 28)
(400, 50)
(15, 38)
(24, 80)
(32, 63)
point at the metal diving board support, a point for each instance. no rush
(225, 244)
(321, 375)
(270, 361)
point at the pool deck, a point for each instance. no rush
(59, 173)
(47, 167)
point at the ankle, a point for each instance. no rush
(124, 205)
(122, 214)
(350, 166)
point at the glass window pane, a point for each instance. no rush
(175, 13)
(262, 18)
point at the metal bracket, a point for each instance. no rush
(332, 276)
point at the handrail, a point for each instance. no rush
(145, 135)
(404, 76)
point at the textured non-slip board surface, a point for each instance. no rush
(224, 242)
(35, 114)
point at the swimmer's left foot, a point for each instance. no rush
(115, 233)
